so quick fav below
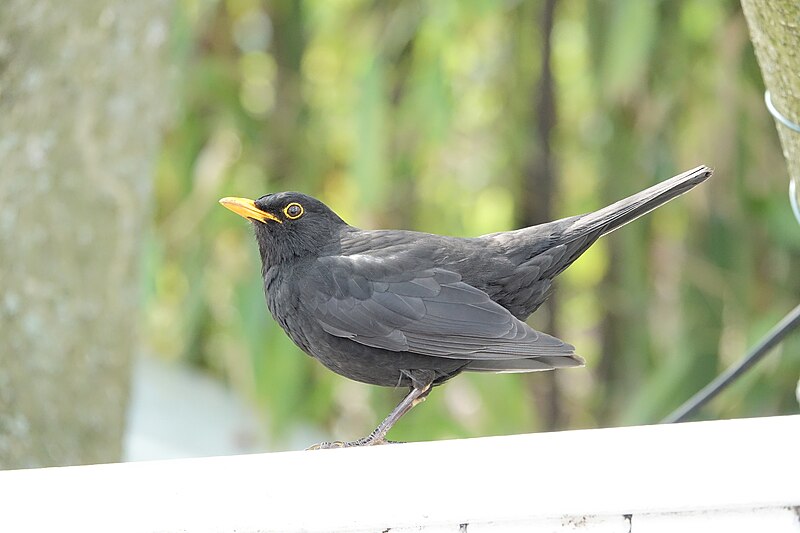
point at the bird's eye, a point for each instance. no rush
(293, 211)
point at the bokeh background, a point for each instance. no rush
(466, 117)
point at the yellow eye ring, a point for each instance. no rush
(293, 211)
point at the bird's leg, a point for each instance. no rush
(378, 436)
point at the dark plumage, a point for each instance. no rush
(402, 308)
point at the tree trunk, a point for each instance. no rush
(776, 38)
(81, 98)
(538, 192)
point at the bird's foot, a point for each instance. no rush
(378, 436)
(365, 441)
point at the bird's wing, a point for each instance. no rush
(427, 311)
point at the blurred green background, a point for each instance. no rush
(466, 117)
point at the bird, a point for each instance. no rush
(400, 308)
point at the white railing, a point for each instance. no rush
(736, 475)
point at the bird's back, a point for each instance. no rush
(513, 268)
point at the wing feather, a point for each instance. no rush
(429, 312)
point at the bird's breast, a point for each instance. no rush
(283, 301)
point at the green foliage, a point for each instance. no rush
(420, 115)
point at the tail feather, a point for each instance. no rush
(620, 213)
(531, 364)
(540, 253)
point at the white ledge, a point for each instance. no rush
(735, 475)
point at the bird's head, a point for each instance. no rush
(288, 225)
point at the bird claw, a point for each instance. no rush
(366, 441)
(329, 445)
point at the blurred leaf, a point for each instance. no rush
(629, 42)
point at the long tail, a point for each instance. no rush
(540, 253)
(620, 213)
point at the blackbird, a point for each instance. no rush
(407, 309)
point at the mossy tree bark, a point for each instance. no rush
(81, 98)
(775, 31)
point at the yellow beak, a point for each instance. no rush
(247, 208)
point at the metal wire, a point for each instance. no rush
(780, 117)
(772, 339)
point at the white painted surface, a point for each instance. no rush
(738, 475)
